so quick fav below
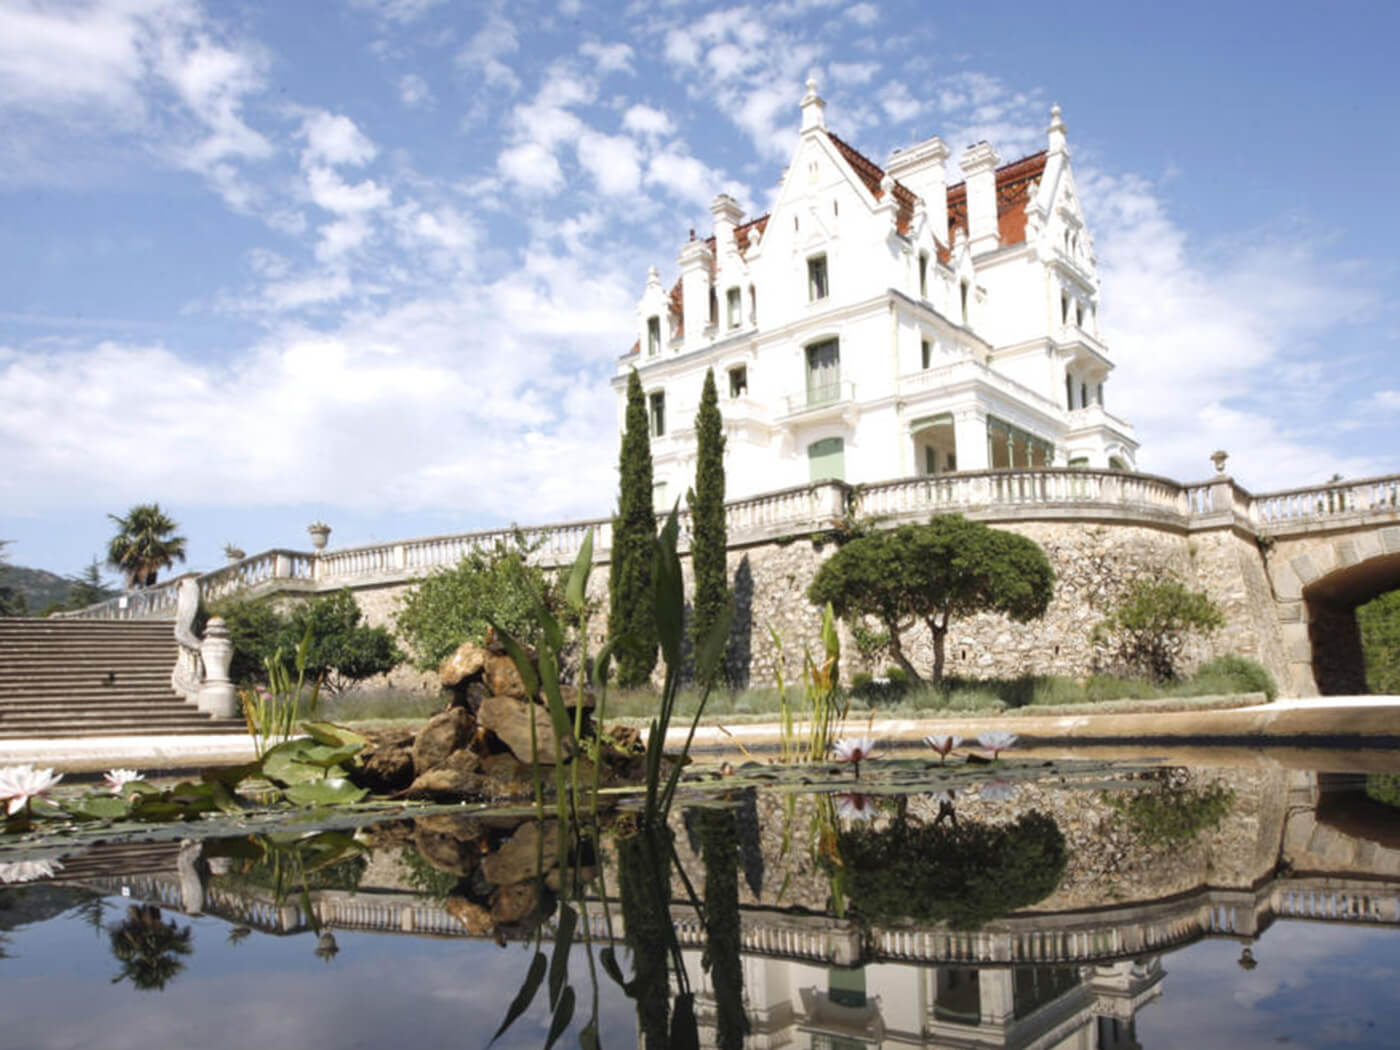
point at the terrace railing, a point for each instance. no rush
(990, 495)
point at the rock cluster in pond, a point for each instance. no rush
(480, 745)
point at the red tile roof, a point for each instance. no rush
(872, 175)
(1013, 188)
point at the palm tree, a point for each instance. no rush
(144, 545)
(149, 949)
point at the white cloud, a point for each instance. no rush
(332, 138)
(608, 58)
(334, 194)
(486, 49)
(613, 161)
(397, 10)
(850, 73)
(414, 91)
(898, 104)
(1384, 400)
(644, 120)
(532, 167)
(863, 14)
(1214, 343)
(688, 179)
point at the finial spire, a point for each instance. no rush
(1057, 131)
(813, 107)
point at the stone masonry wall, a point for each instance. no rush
(1093, 563)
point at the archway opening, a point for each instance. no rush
(1338, 655)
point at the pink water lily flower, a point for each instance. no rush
(855, 751)
(117, 779)
(997, 742)
(20, 784)
(944, 745)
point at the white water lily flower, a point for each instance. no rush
(997, 742)
(19, 784)
(118, 778)
(944, 745)
(29, 870)
(856, 807)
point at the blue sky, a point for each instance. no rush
(372, 261)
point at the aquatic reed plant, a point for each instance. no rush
(273, 712)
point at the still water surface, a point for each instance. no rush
(1063, 907)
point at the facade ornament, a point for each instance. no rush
(216, 693)
(1218, 457)
(320, 532)
(188, 674)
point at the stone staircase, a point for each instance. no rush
(76, 678)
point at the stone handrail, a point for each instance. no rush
(805, 509)
(1333, 500)
(1050, 487)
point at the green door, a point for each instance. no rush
(826, 460)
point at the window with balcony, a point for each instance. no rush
(653, 336)
(738, 381)
(823, 372)
(657, 404)
(734, 304)
(817, 287)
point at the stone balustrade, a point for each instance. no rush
(1028, 938)
(989, 495)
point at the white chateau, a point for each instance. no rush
(879, 323)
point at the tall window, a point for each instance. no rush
(653, 336)
(816, 278)
(714, 306)
(962, 292)
(826, 460)
(658, 414)
(1069, 391)
(735, 305)
(925, 353)
(738, 381)
(923, 275)
(823, 372)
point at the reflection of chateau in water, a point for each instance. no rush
(1072, 973)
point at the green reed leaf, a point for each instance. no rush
(525, 996)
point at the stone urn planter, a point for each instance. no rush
(320, 533)
(234, 553)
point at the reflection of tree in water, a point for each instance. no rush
(964, 873)
(719, 848)
(149, 949)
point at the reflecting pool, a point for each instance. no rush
(1024, 903)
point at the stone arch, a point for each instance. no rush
(1330, 601)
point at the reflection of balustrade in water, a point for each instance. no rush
(1029, 938)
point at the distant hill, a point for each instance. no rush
(41, 589)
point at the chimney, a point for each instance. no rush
(979, 165)
(695, 263)
(727, 214)
(921, 169)
(813, 107)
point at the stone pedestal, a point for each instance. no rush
(216, 694)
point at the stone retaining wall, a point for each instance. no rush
(1093, 562)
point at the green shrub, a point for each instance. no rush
(342, 650)
(975, 700)
(1241, 674)
(1379, 622)
(1112, 687)
(964, 875)
(1173, 815)
(451, 607)
(1146, 631)
(1384, 787)
(1051, 690)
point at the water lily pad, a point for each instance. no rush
(325, 792)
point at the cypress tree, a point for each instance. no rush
(631, 608)
(708, 548)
